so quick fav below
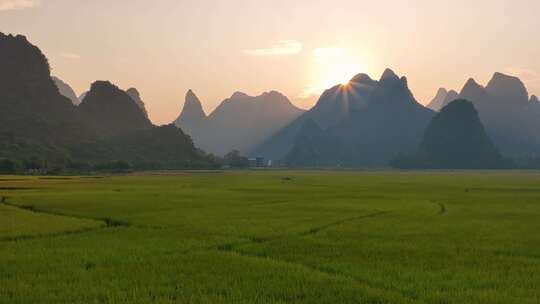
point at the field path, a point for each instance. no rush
(316, 230)
(232, 248)
(100, 223)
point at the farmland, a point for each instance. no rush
(272, 237)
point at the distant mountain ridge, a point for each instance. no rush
(66, 90)
(367, 122)
(507, 113)
(442, 99)
(238, 123)
(437, 101)
(192, 117)
(364, 123)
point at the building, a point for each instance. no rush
(256, 162)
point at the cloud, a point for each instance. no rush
(8, 5)
(282, 48)
(68, 55)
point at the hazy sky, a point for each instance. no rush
(217, 47)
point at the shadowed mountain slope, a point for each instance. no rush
(112, 111)
(66, 90)
(35, 119)
(312, 147)
(455, 139)
(134, 94)
(163, 147)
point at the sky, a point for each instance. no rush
(301, 47)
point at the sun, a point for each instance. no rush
(339, 73)
(331, 67)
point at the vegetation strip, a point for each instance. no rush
(50, 235)
(108, 222)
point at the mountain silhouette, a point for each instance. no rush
(455, 139)
(506, 112)
(442, 99)
(371, 120)
(437, 102)
(534, 106)
(134, 94)
(363, 123)
(192, 117)
(25, 79)
(163, 147)
(37, 122)
(35, 119)
(238, 123)
(508, 91)
(450, 96)
(111, 110)
(66, 90)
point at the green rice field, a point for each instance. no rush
(272, 237)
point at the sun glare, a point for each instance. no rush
(340, 73)
(332, 66)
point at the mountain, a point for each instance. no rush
(442, 99)
(508, 91)
(534, 100)
(134, 94)
(112, 111)
(534, 103)
(82, 96)
(192, 117)
(312, 148)
(239, 123)
(371, 120)
(35, 119)
(450, 96)
(41, 127)
(164, 147)
(455, 139)
(437, 103)
(66, 90)
(505, 111)
(25, 81)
